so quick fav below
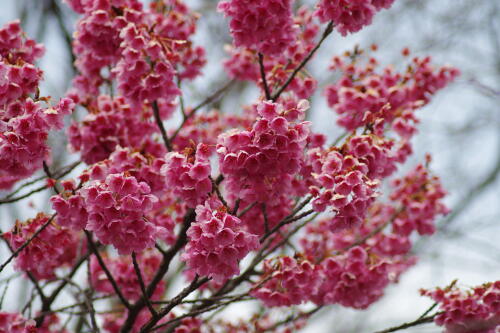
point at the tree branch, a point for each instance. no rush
(159, 122)
(326, 33)
(263, 77)
(27, 242)
(106, 270)
(141, 283)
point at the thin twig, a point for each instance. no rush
(47, 301)
(292, 318)
(219, 194)
(285, 222)
(266, 220)
(420, 321)
(61, 173)
(160, 273)
(106, 270)
(236, 207)
(326, 33)
(27, 242)
(159, 122)
(432, 307)
(49, 175)
(263, 77)
(195, 284)
(207, 101)
(247, 208)
(143, 287)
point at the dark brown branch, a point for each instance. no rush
(264, 214)
(215, 187)
(195, 284)
(106, 270)
(420, 321)
(159, 122)
(68, 38)
(263, 77)
(236, 207)
(28, 273)
(143, 287)
(165, 264)
(247, 208)
(89, 301)
(50, 176)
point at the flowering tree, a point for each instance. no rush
(236, 206)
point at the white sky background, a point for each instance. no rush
(460, 128)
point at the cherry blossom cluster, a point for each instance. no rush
(189, 175)
(377, 153)
(421, 194)
(374, 252)
(24, 122)
(167, 212)
(343, 186)
(477, 310)
(19, 75)
(175, 25)
(350, 279)
(217, 242)
(123, 272)
(140, 48)
(111, 123)
(364, 96)
(416, 203)
(116, 207)
(16, 323)
(243, 63)
(353, 280)
(262, 25)
(55, 246)
(122, 199)
(137, 79)
(259, 164)
(350, 16)
(291, 281)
